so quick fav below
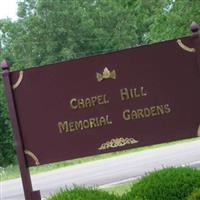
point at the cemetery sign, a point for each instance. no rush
(104, 103)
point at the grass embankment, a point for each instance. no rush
(12, 171)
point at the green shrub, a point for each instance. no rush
(79, 193)
(7, 152)
(195, 195)
(166, 184)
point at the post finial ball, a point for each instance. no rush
(4, 64)
(195, 27)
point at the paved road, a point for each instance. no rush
(107, 171)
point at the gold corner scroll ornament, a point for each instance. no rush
(21, 74)
(186, 48)
(198, 131)
(117, 142)
(33, 156)
(106, 74)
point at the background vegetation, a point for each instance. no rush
(49, 31)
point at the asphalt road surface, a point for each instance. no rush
(108, 171)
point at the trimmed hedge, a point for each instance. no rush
(79, 193)
(195, 195)
(166, 184)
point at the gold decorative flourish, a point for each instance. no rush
(186, 48)
(18, 81)
(106, 74)
(33, 156)
(117, 142)
(198, 131)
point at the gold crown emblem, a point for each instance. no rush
(106, 74)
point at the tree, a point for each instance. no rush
(145, 12)
(174, 21)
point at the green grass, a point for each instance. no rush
(119, 189)
(12, 171)
(195, 195)
(81, 193)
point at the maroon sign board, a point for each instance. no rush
(104, 103)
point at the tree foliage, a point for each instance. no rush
(175, 20)
(52, 31)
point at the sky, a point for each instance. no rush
(8, 8)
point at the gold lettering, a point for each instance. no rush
(93, 123)
(140, 113)
(127, 94)
(71, 126)
(86, 124)
(81, 103)
(63, 126)
(136, 95)
(73, 103)
(100, 100)
(134, 114)
(102, 121)
(160, 110)
(143, 93)
(88, 102)
(153, 111)
(131, 94)
(97, 121)
(146, 112)
(126, 114)
(167, 108)
(94, 99)
(108, 121)
(78, 125)
(106, 101)
(124, 94)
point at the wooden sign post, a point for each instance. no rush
(104, 103)
(25, 174)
